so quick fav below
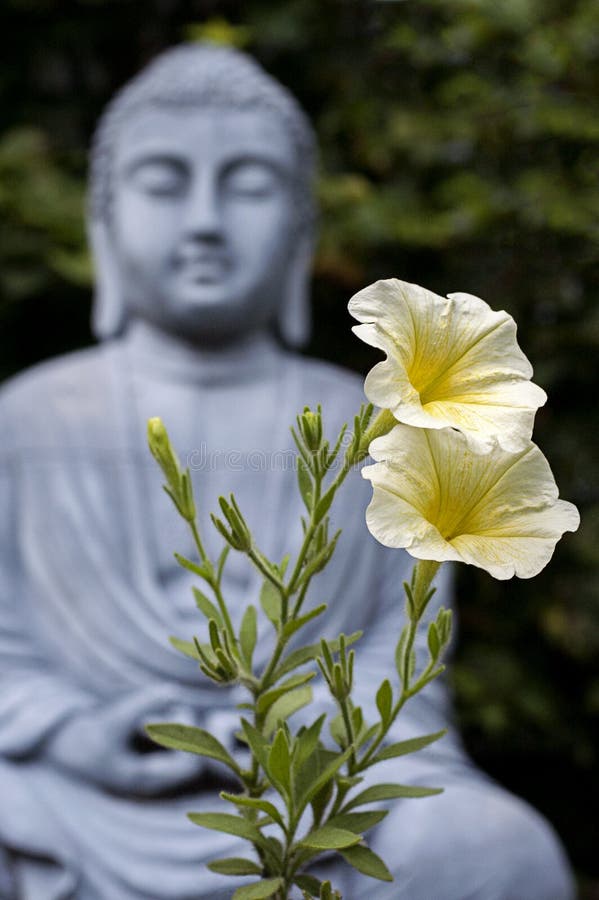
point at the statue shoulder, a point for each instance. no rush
(38, 400)
(326, 382)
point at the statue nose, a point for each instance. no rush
(203, 215)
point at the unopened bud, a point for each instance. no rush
(312, 429)
(163, 453)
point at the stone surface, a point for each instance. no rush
(201, 222)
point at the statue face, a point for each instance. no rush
(202, 219)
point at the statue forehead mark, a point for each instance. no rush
(220, 135)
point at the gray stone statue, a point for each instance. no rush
(201, 222)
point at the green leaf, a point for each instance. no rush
(323, 505)
(325, 776)
(255, 803)
(306, 742)
(259, 890)
(258, 744)
(329, 838)
(434, 644)
(309, 884)
(187, 648)
(279, 762)
(375, 794)
(367, 862)
(312, 768)
(286, 706)
(304, 480)
(295, 624)
(321, 800)
(267, 699)
(303, 655)
(384, 701)
(415, 790)
(358, 822)
(317, 562)
(248, 634)
(338, 732)
(235, 865)
(367, 735)
(202, 571)
(275, 850)
(207, 607)
(191, 739)
(410, 746)
(400, 651)
(236, 825)
(270, 601)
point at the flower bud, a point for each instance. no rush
(311, 428)
(163, 453)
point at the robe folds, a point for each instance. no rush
(90, 592)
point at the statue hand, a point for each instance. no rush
(99, 745)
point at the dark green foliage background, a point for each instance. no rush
(459, 150)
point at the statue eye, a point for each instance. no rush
(251, 179)
(159, 177)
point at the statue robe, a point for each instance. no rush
(89, 592)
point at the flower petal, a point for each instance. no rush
(435, 497)
(451, 361)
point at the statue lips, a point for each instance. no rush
(204, 267)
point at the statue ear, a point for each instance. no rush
(294, 318)
(108, 310)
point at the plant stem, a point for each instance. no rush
(214, 583)
(422, 576)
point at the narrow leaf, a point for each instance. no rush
(295, 624)
(267, 699)
(202, 571)
(434, 643)
(187, 648)
(367, 862)
(358, 822)
(323, 505)
(257, 742)
(259, 890)
(303, 655)
(338, 732)
(248, 634)
(384, 701)
(329, 838)
(191, 739)
(410, 746)
(306, 742)
(279, 761)
(304, 480)
(400, 651)
(375, 794)
(325, 776)
(235, 865)
(270, 601)
(207, 607)
(255, 803)
(229, 824)
(309, 884)
(286, 706)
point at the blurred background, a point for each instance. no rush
(459, 147)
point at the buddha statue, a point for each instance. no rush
(201, 222)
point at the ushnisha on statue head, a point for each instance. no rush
(201, 206)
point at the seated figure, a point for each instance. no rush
(201, 221)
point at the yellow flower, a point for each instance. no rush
(451, 361)
(439, 500)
